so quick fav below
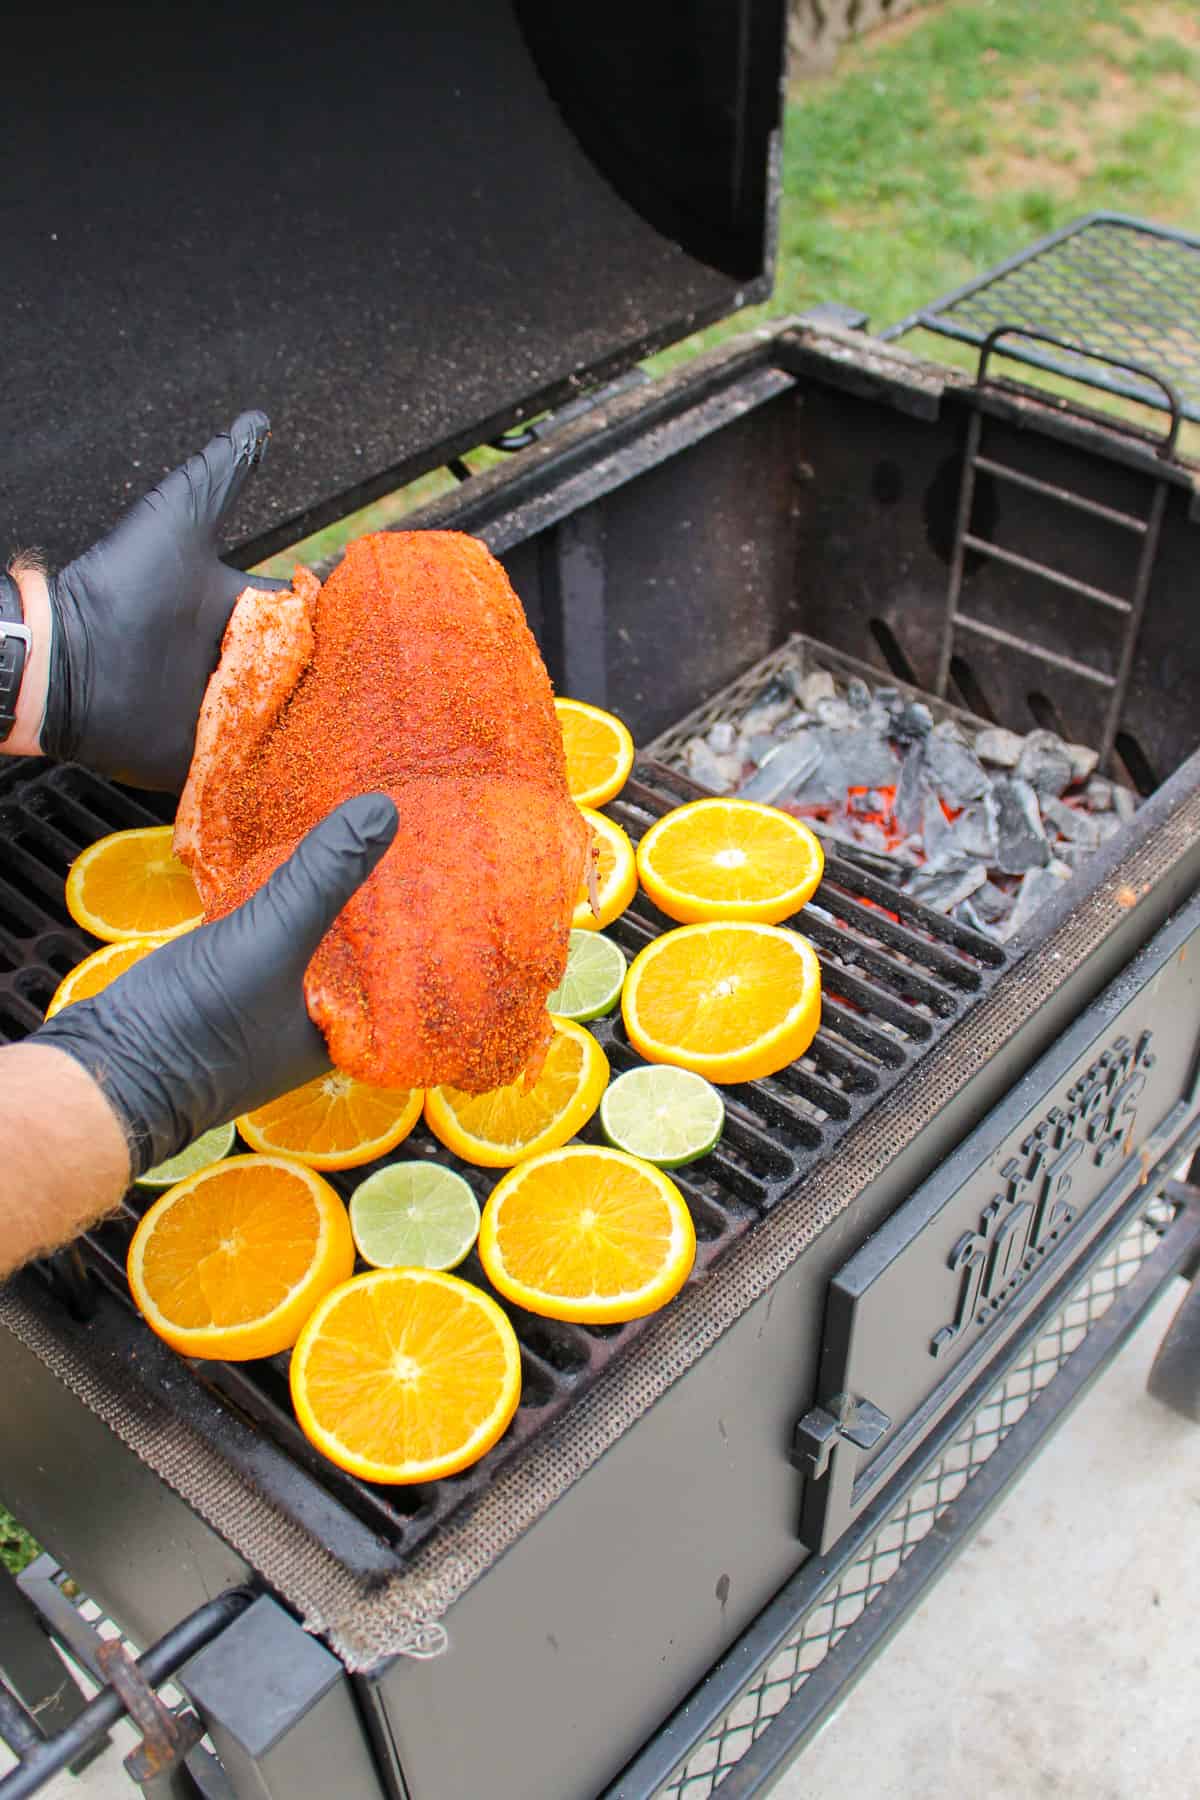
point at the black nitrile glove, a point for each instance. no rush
(138, 621)
(213, 1024)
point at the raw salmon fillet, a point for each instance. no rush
(411, 670)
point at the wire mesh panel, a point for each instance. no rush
(1115, 286)
(911, 1520)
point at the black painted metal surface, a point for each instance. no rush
(895, 978)
(398, 229)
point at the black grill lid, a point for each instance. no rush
(399, 229)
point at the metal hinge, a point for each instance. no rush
(857, 1421)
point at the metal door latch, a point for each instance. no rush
(816, 1434)
(166, 1736)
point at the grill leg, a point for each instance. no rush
(1175, 1376)
(281, 1712)
(36, 1676)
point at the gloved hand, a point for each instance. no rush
(138, 621)
(213, 1024)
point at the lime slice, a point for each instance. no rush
(414, 1215)
(593, 981)
(664, 1115)
(209, 1148)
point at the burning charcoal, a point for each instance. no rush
(717, 772)
(761, 746)
(1021, 841)
(858, 694)
(1083, 761)
(869, 759)
(1099, 794)
(721, 738)
(1076, 826)
(942, 892)
(976, 830)
(1125, 803)
(911, 721)
(953, 770)
(770, 706)
(991, 903)
(1038, 887)
(787, 768)
(1000, 748)
(950, 728)
(888, 698)
(1044, 763)
(870, 802)
(937, 833)
(908, 808)
(835, 714)
(966, 915)
(817, 686)
(870, 834)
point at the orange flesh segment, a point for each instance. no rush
(607, 1233)
(234, 1258)
(406, 1382)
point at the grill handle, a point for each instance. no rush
(157, 1665)
(1166, 446)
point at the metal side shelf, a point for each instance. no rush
(767, 1697)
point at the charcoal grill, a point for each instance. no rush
(979, 1134)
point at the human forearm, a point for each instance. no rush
(64, 1162)
(25, 736)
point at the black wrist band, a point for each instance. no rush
(15, 647)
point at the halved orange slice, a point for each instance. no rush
(616, 874)
(405, 1375)
(730, 999)
(587, 1234)
(333, 1122)
(132, 885)
(513, 1122)
(93, 974)
(230, 1262)
(599, 752)
(729, 859)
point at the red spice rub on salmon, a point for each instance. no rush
(412, 671)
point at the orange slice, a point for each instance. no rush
(230, 1262)
(93, 974)
(616, 874)
(405, 1375)
(333, 1122)
(513, 1122)
(132, 885)
(599, 752)
(730, 999)
(729, 859)
(587, 1234)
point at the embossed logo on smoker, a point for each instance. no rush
(1021, 1223)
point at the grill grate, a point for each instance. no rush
(1117, 287)
(913, 1518)
(895, 977)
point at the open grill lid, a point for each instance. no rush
(400, 230)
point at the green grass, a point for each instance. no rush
(943, 146)
(17, 1548)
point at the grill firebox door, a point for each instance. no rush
(916, 1316)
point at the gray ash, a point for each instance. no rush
(980, 823)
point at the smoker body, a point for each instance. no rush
(661, 542)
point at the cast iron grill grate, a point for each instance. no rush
(895, 976)
(1115, 286)
(914, 1516)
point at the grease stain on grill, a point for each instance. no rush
(897, 977)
